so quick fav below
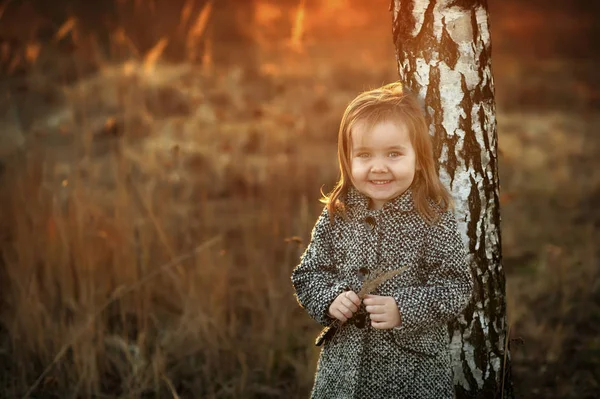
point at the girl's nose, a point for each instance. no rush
(379, 167)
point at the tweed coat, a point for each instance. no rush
(409, 361)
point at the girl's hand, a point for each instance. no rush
(383, 311)
(344, 306)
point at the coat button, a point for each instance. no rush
(370, 222)
(363, 273)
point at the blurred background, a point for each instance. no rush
(160, 169)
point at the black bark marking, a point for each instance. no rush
(422, 44)
(404, 25)
(471, 151)
(487, 92)
(468, 4)
(452, 161)
(435, 118)
(474, 203)
(490, 388)
(475, 27)
(479, 351)
(448, 48)
(406, 45)
(470, 309)
(494, 305)
(426, 39)
(412, 81)
(459, 390)
(433, 102)
(486, 138)
(480, 93)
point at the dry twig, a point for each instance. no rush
(368, 286)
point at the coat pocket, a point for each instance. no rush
(428, 343)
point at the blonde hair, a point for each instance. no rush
(391, 102)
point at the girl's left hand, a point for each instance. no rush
(383, 311)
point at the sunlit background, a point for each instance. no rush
(160, 169)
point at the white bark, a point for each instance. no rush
(443, 52)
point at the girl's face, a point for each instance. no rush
(382, 161)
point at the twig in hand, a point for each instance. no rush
(369, 286)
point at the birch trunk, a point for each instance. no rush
(443, 52)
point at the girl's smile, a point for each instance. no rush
(380, 182)
(383, 161)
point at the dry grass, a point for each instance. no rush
(87, 314)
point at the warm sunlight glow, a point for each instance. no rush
(65, 29)
(32, 51)
(266, 14)
(330, 11)
(154, 54)
(207, 56)
(128, 68)
(186, 13)
(200, 25)
(298, 28)
(120, 37)
(334, 5)
(197, 31)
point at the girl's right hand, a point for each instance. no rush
(344, 306)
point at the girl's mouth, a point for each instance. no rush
(380, 182)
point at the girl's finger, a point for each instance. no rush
(351, 295)
(373, 300)
(379, 325)
(378, 317)
(345, 311)
(375, 309)
(348, 303)
(340, 316)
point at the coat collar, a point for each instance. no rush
(402, 203)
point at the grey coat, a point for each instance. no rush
(410, 361)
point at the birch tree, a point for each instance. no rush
(443, 51)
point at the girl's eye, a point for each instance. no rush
(363, 155)
(394, 154)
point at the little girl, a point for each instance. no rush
(389, 210)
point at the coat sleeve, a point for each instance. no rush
(316, 279)
(449, 285)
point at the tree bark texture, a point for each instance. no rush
(443, 50)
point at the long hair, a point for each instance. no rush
(390, 103)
